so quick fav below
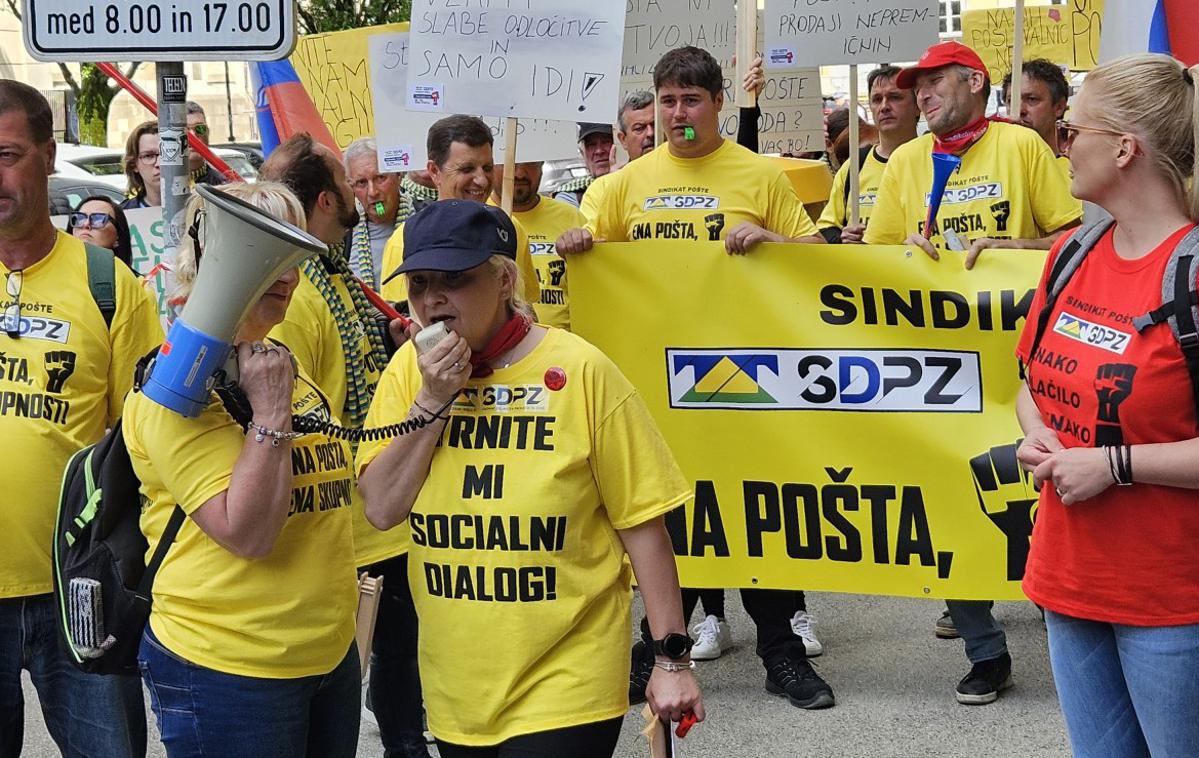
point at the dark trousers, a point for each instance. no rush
(595, 740)
(771, 611)
(395, 695)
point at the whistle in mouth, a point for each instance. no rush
(378, 207)
(688, 133)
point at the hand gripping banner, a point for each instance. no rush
(847, 412)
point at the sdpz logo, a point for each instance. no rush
(502, 398)
(938, 381)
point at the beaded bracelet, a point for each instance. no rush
(261, 433)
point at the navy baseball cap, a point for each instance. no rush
(455, 235)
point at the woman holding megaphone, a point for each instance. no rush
(249, 650)
(540, 471)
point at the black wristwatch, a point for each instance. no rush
(673, 646)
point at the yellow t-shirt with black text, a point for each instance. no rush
(1009, 186)
(287, 615)
(310, 332)
(544, 224)
(396, 290)
(515, 532)
(836, 211)
(659, 196)
(63, 381)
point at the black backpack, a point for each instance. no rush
(1180, 301)
(101, 580)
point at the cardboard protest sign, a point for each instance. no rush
(1066, 35)
(804, 33)
(400, 132)
(555, 59)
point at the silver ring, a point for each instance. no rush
(457, 365)
(1059, 491)
(257, 347)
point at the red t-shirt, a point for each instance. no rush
(1130, 554)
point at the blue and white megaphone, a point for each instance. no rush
(245, 252)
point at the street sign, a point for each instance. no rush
(146, 30)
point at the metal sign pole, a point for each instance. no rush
(172, 133)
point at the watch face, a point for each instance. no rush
(676, 645)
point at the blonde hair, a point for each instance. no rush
(273, 198)
(1153, 97)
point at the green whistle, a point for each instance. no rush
(688, 133)
(379, 208)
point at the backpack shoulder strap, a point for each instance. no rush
(1179, 305)
(1069, 260)
(102, 279)
(160, 551)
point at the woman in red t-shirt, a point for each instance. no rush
(1116, 567)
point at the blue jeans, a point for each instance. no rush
(395, 695)
(1126, 691)
(86, 714)
(978, 628)
(202, 712)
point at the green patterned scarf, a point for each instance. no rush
(359, 390)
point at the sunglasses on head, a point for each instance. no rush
(91, 220)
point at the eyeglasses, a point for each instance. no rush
(149, 158)
(92, 220)
(200, 130)
(1069, 131)
(12, 312)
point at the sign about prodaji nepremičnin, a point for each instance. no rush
(145, 30)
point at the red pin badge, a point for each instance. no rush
(555, 378)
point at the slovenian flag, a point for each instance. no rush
(284, 107)
(1156, 26)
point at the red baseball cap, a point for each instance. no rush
(940, 54)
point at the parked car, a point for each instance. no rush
(106, 165)
(252, 151)
(66, 192)
(554, 174)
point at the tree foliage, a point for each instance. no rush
(93, 94)
(317, 16)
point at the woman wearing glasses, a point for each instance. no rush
(101, 222)
(1108, 403)
(141, 167)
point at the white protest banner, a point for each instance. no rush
(655, 27)
(554, 59)
(831, 32)
(400, 132)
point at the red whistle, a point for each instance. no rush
(685, 725)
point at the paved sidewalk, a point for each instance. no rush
(893, 681)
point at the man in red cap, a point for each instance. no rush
(1007, 193)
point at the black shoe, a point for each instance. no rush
(945, 629)
(794, 677)
(985, 681)
(639, 673)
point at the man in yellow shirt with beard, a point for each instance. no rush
(543, 219)
(338, 339)
(1008, 191)
(700, 187)
(895, 113)
(462, 167)
(65, 368)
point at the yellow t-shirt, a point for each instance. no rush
(62, 383)
(310, 332)
(1009, 186)
(659, 196)
(287, 615)
(836, 211)
(514, 532)
(544, 224)
(397, 289)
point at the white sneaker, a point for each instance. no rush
(711, 638)
(804, 626)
